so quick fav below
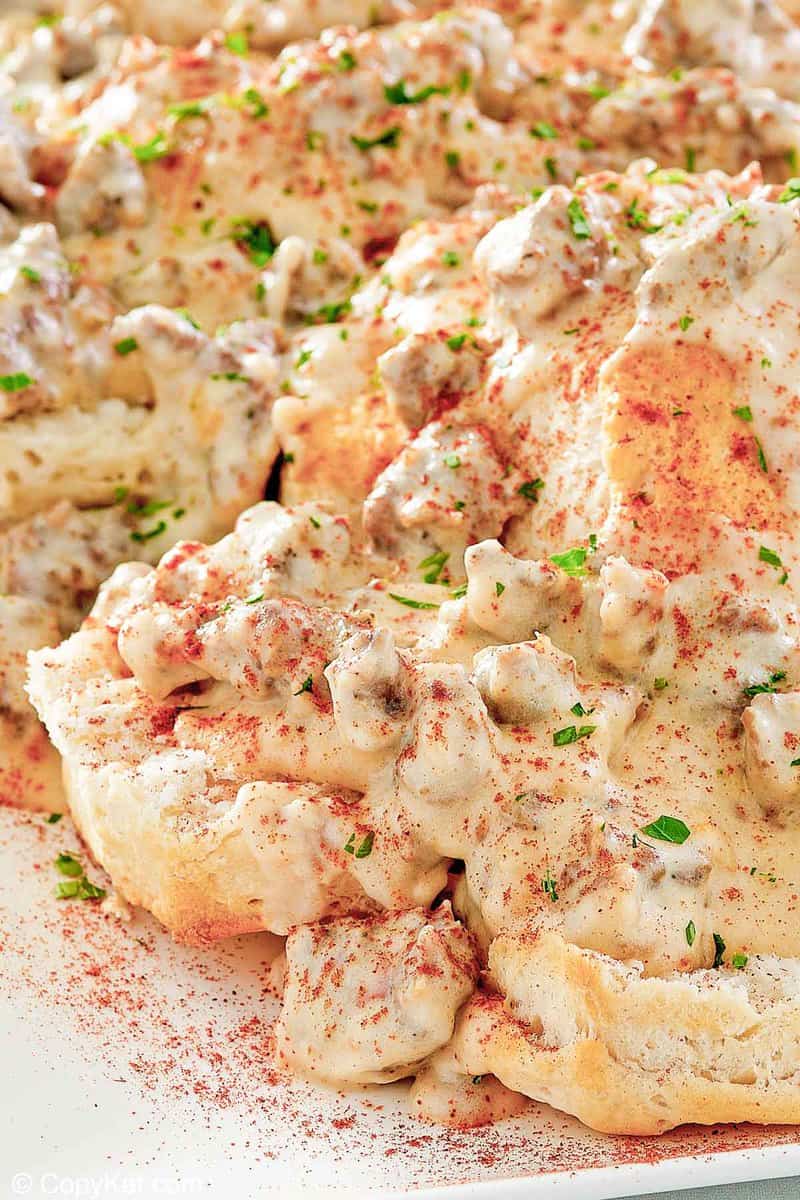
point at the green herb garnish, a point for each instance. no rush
(572, 733)
(544, 131)
(409, 603)
(572, 562)
(668, 829)
(257, 237)
(397, 93)
(389, 138)
(530, 488)
(549, 886)
(765, 689)
(577, 219)
(16, 382)
(433, 566)
(238, 43)
(719, 951)
(364, 849)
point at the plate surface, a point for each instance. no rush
(137, 1067)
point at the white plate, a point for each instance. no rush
(137, 1067)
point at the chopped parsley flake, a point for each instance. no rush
(659, 683)
(572, 733)
(685, 322)
(126, 346)
(769, 556)
(452, 159)
(549, 886)
(330, 313)
(254, 599)
(54, 818)
(530, 488)
(579, 711)
(30, 274)
(148, 508)
(306, 686)
(409, 603)
(739, 961)
(76, 886)
(456, 342)
(433, 566)
(572, 562)
(691, 933)
(743, 215)
(364, 849)
(744, 412)
(254, 101)
(67, 864)
(79, 889)
(765, 689)
(451, 259)
(499, 588)
(762, 458)
(157, 147)
(346, 61)
(238, 43)
(453, 461)
(155, 532)
(668, 829)
(188, 108)
(389, 138)
(719, 951)
(637, 218)
(397, 93)
(544, 130)
(16, 382)
(257, 237)
(790, 192)
(577, 219)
